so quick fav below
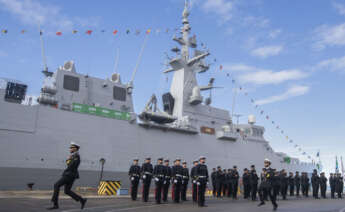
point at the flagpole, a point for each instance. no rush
(45, 68)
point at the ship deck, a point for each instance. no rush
(114, 204)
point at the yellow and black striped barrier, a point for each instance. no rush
(108, 187)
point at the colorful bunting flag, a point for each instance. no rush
(41, 33)
(4, 31)
(220, 67)
(128, 31)
(59, 33)
(23, 31)
(115, 32)
(267, 117)
(103, 30)
(137, 32)
(74, 31)
(261, 112)
(291, 141)
(148, 31)
(167, 30)
(89, 32)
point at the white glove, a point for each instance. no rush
(132, 178)
(207, 183)
(156, 179)
(144, 177)
(165, 182)
(175, 181)
(194, 181)
(198, 183)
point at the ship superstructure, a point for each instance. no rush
(99, 115)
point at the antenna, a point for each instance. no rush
(117, 59)
(237, 117)
(233, 102)
(130, 84)
(44, 60)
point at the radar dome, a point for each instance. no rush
(251, 119)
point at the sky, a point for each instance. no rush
(288, 56)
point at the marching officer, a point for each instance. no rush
(193, 176)
(234, 181)
(159, 175)
(146, 173)
(69, 175)
(297, 183)
(332, 184)
(323, 185)
(246, 183)
(202, 174)
(177, 171)
(315, 182)
(276, 183)
(214, 182)
(253, 182)
(266, 185)
(291, 182)
(134, 176)
(185, 180)
(167, 179)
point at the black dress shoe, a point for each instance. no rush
(261, 203)
(275, 207)
(83, 202)
(53, 208)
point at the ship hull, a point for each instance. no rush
(34, 143)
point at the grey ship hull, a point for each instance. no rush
(34, 143)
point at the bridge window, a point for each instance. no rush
(71, 83)
(119, 93)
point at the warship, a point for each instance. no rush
(99, 115)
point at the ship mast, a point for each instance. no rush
(185, 32)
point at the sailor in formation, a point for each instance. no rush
(214, 180)
(297, 183)
(185, 180)
(323, 185)
(69, 175)
(315, 182)
(339, 185)
(234, 181)
(291, 182)
(332, 181)
(254, 180)
(159, 175)
(246, 183)
(177, 171)
(202, 175)
(167, 179)
(194, 178)
(134, 176)
(146, 173)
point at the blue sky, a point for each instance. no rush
(287, 55)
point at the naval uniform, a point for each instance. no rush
(315, 182)
(184, 186)
(283, 185)
(167, 179)
(202, 174)
(177, 171)
(323, 186)
(193, 176)
(159, 175)
(146, 173)
(69, 175)
(291, 182)
(214, 183)
(134, 176)
(246, 185)
(339, 186)
(297, 184)
(253, 184)
(306, 185)
(266, 186)
(332, 182)
(219, 181)
(234, 183)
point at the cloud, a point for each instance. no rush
(222, 8)
(274, 33)
(334, 64)
(329, 36)
(265, 77)
(267, 51)
(32, 12)
(256, 21)
(296, 90)
(3, 54)
(339, 7)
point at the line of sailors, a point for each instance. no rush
(164, 175)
